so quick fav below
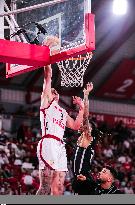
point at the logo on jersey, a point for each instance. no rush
(59, 122)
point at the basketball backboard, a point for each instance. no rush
(70, 20)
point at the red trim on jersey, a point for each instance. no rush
(57, 108)
(41, 109)
(53, 137)
(45, 162)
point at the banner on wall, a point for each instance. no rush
(121, 84)
(113, 119)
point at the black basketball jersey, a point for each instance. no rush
(82, 160)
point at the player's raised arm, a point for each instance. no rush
(46, 96)
(86, 91)
(75, 124)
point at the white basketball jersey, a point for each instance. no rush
(53, 120)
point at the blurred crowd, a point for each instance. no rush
(19, 164)
(31, 111)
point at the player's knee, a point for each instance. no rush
(57, 189)
(61, 189)
(55, 192)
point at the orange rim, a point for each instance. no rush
(79, 58)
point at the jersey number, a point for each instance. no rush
(61, 116)
(46, 126)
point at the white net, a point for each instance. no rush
(72, 70)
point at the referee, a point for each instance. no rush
(104, 184)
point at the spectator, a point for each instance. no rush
(2, 109)
(108, 152)
(124, 158)
(128, 189)
(3, 136)
(21, 133)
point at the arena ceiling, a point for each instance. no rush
(112, 68)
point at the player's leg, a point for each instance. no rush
(59, 176)
(46, 177)
(57, 187)
(44, 154)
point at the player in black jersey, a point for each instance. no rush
(84, 150)
(104, 184)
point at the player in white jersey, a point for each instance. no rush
(51, 149)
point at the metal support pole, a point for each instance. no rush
(87, 6)
(12, 18)
(14, 22)
(1, 19)
(6, 27)
(12, 27)
(50, 3)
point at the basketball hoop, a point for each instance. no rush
(73, 69)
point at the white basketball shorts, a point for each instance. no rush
(52, 153)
